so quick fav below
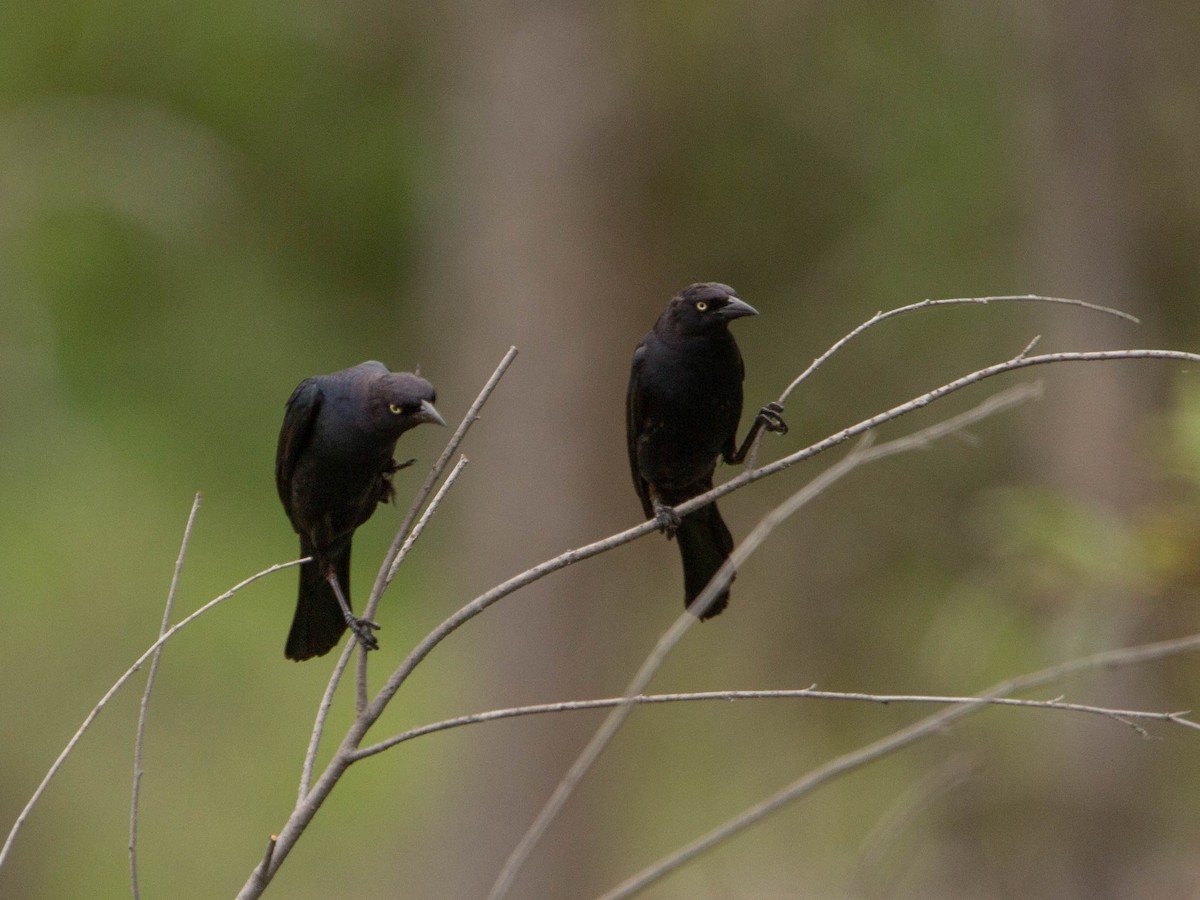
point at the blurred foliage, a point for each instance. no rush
(201, 205)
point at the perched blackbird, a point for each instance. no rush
(333, 465)
(682, 411)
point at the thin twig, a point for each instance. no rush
(425, 517)
(957, 301)
(752, 460)
(145, 706)
(811, 693)
(361, 694)
(265, 865)
(616, 718)
(1020, 361)
(120, 682)
(387, 567)
(318, 730)
(930, 725)
(386, 570)
(270, 850)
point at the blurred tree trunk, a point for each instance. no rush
(1089, 440)
(531, 250)
(1084, 202)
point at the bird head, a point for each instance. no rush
(400, 401)
(705, 307)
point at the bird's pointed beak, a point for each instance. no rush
(736, 308)
(430, 414)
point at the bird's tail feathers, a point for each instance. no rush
(704, 544)
(318, 623)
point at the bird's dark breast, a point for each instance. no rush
(688, 418)
(338, 486)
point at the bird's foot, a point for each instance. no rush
(362, 629)
(387, 491)
(771, 417)
(667, 519)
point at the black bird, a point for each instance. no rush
(333, 465)
(682, 411)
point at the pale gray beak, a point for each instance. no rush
(429, 414)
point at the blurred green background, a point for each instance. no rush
(201, 205)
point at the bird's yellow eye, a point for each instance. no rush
(396, 410)
(701, 305)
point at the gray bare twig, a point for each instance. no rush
(1123, 716)
(120, 682)
(930, 725)
(387, 571)
(930, 304)
(145, 706)
(327, 698)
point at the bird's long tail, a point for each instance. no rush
(318, 624)
(704, 544)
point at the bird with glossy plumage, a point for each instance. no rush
(333, 466)
(683, 406)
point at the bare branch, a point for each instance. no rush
(145, 706)
(426, 516)
(928, 304)
(603, 736)
(930, 725)
(1123, 716)
(387, 571)
(1020, 361)
(752, 461)
(120, 682)
(314, 740)
(361, 693)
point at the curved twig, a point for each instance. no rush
(120, 682)
(1123, 716)
(145, 705)
(956, 301)
(752, 460)
(925, 727)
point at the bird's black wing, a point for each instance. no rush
(633, 424)
(302, 409)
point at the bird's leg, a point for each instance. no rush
(769, 417)
(362, 628)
